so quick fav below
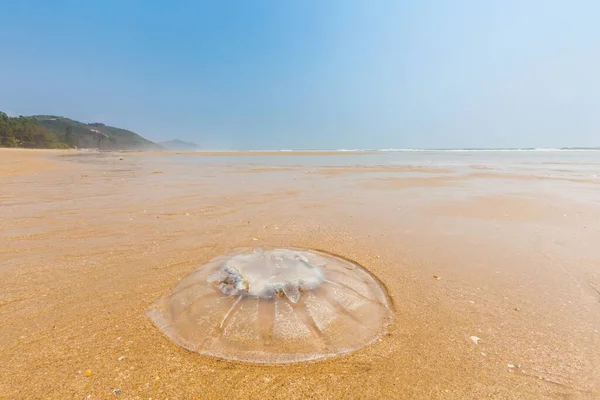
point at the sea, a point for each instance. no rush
(544, 162)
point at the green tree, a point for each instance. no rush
(30, 132)
(43, 138)
(70, 138)
(101, 139)
(23, 129)
(7, 136)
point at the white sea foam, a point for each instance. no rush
(395, 150)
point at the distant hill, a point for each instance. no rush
(179, 145)
(52, 132)
(94, 135)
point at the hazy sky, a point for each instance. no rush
(311, 74)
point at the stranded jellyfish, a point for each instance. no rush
(274, 306)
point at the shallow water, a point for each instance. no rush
(581, 163)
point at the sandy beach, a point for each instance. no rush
(491, 261)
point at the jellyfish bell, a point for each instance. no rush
(267, 274)
(274, 306)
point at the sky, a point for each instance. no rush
(311, 74)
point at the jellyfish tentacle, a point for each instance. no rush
(291, 292)
(189, 306)
(363, 279)
(339, 307)
(230, 311)
(344, 286)
(309, 320)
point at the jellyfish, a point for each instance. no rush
(274, 306)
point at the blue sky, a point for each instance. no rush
(311, 73)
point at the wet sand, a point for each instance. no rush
(89, 241)
(248, 153)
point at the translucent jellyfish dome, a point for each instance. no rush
(274, 306)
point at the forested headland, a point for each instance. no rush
(53, 132)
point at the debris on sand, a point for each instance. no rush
(475, 339)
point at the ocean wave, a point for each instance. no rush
(493, 149)
(395, 150)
